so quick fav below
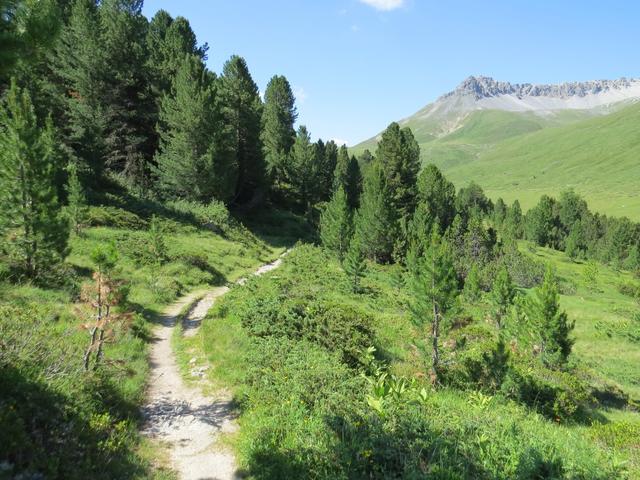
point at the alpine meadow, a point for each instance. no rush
(194, 286)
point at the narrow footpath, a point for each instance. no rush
(181, 416)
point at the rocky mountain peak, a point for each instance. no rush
(483, 87)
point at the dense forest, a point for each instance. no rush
(119, 146)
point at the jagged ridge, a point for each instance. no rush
(484, 87)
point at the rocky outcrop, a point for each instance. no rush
(485, 87)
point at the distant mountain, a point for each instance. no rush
(524, 140)
(552, 104)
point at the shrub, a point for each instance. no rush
(106, 216)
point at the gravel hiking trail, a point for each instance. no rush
(181, 416)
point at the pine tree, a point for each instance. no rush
(434, 288)
(127, 104)
(329, 158)
(472, 288)
(278, 134)
(168, 42)
(34, 232)
(376, 222)
(355, 264)
(347, 174)
(242, 111)
(551, 323)
(503, 293)
(336, 224)
(399, 155)
(437, 195)
(157, 241)
(365, 158)
(303, 169)
(513, 224)
(193, 160)
(77, 208)
(79, 64)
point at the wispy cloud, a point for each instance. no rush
(384, 5)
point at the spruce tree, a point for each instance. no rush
(193, 159)
(327, 168)
(502, 294)
(437, 195)
(347, 174)
(336, 224)
(34, 232)
(472, 288)
(303, 169)
(434, 288)
(376, 224)
(77, 208)
(278, 133)
(127, 104)
(513, 223)
(79, 64)
(399, 155)
(355, 264)
(242, 111)
(550, 322)
(168, 42)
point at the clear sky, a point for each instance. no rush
(356, 65)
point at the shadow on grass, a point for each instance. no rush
(47, 434)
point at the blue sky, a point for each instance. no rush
(357, 65)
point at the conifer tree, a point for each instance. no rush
(329, 161)
(365, 158)
(77, 208)
(502, 294)
(399, 155)
(242, 111)
(434, 288)
(193, 160)
(437, 195)
(355, 264)
(336, 224)
(33, 231)
(376, 223)
(303, 169)
(168, 42)
(347, 174)
(513, 223)
(278, 134)
(472, 288)
(551, 323)
(80, 65)
(157, 241)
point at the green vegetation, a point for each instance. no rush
(307, 411)
(572, 156)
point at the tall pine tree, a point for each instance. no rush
(33, 231)
(278, 133)
(376, 224)
(194, 161)
(336, 224)
(242, 111)
(434, 288)
(303, 169)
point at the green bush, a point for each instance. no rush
(107, 216)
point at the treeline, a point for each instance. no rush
(96, 93)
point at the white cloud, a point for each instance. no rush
(300, 94)
(384, 5)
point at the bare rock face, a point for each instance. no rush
(485, 87)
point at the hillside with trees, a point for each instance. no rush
(414, 329)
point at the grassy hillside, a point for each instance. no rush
(61, 422)
(305, 409)
(597, 157)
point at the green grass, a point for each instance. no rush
(61, 422)
(287, 400)
(597, 157)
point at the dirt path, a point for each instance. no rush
(180, 416)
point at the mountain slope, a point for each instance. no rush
(599, 158)
(482, 131)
